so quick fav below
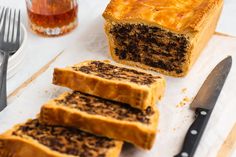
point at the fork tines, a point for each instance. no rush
(9, 25)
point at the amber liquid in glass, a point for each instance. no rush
(52, 17)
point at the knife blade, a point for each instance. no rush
(203, 104)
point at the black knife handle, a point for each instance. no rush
(194, 133)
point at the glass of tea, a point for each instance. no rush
(52, 17)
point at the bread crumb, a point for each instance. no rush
(184, 101)
(107, 61)
(184, 90)
(181, 104)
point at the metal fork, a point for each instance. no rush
(9, 44)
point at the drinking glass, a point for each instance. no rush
(52, 17)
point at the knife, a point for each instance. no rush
(203, 104)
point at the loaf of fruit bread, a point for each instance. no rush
(114, 82)
(102, 117)
(34, 139)
(161, 35)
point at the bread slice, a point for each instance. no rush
(34, 139)
(102, 117)
(100, 78)
(161, 35)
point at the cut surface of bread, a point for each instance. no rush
(102, 117)
(165, 36)
(117, 83)
(34, 139)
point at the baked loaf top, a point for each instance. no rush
(108, 71)
(106, 108)
(63, 140)
(176, 15)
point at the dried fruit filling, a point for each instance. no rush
(98, 106)
(113, 72)
(66, 140)
(151, 46)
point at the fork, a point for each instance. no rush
(9, 44)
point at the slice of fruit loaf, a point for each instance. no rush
(34, 139)
(100, 78)
(102, 117)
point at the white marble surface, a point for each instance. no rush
(88, 42)
(41, 50)
(227, 23)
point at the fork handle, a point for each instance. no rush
(3, 78)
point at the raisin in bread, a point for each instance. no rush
(100, 78)
(102, 117)
(165, 36)
(34, 139)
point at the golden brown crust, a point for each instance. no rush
(142, 135)
(11, 146)
(198, 29)
(135, 95)
(14, 146)
(201, 39)
(176, 15)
